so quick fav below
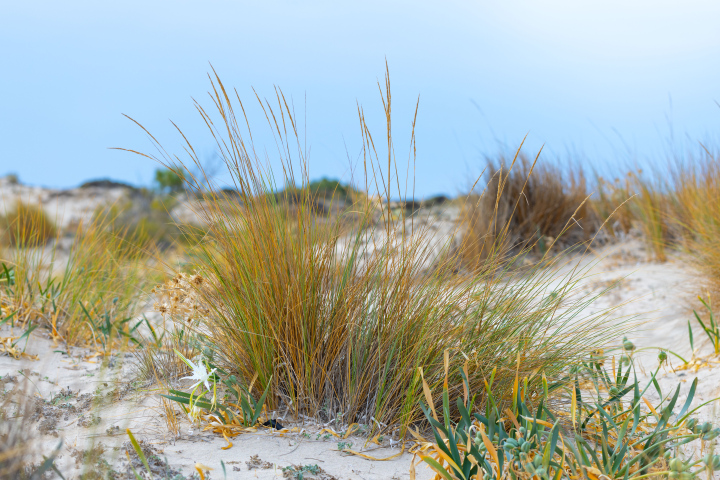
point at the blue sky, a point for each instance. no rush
(603, 82)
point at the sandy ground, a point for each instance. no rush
(659, 297)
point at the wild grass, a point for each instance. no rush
(18, 447)
(88, 294)
(675, 209)
(26, 225)
(158, 362)
(16, 442)
(611, 199)
(529, 205)
(145, 223)
(645, 200)
(695, 215)
(347, 327)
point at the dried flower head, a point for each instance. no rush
(181, 297)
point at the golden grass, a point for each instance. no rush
(17, 438)
(695, 216)
(26, 225)
(646, 205)
(677, 208)
(87, 295)
(526, 205)
(146, 223)
(347, 326)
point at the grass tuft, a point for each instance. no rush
(26, 225)
(526, 205)
(346, 326)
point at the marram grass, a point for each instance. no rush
(679, 211)
(530, 206)
(347, 326)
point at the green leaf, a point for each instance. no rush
(463, 413)
(455, 454)
(26, 334)
(437, 467)
(139, 451)
(691, 395)
(186, 401)
(8, 318)
(48, 463)
(259, 404)
(692, 347)
(550, 446)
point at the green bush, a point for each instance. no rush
(169, 181)
(12, 178)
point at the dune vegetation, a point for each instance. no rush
(476, 349)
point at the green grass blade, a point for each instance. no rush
(47, 464)
(437, 467)
(139, 451)
(259, 404)
(688, 401)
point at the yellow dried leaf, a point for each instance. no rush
(229, 445)
(489, 446)
(201, 469)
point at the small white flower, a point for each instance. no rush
(200, 372)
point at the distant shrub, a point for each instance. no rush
(326, 187)
(12, 178)
(26, 225)
(106, 183)
(169, 181)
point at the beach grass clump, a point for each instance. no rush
(145, 223)
(679, 211)
(26, 225)
(641, 201)
(530, 205)
(347, 327)
(696, 215)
